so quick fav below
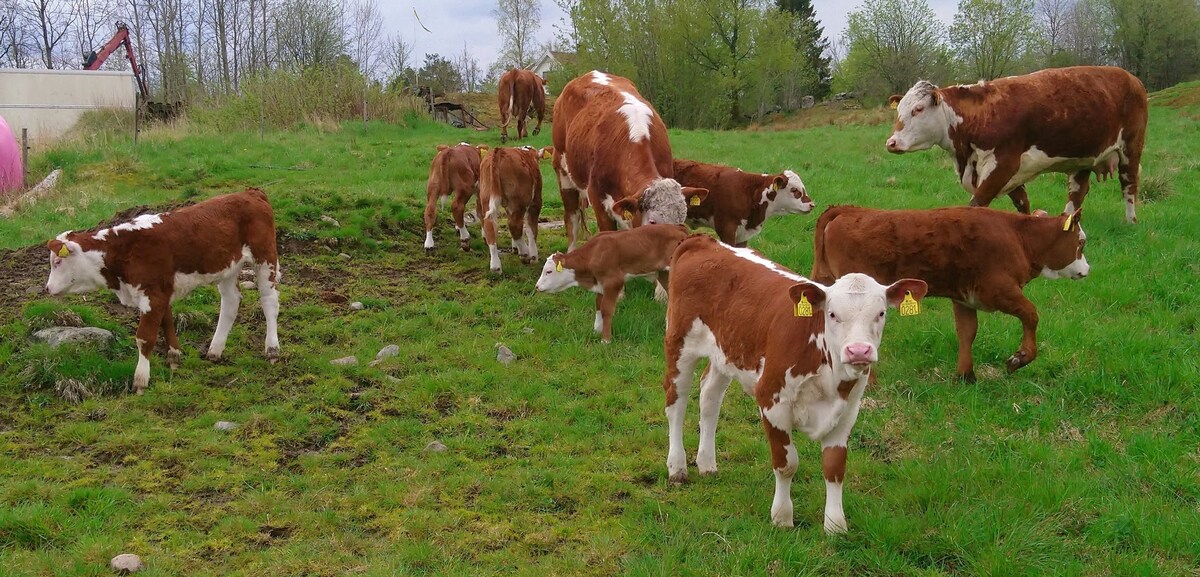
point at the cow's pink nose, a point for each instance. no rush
(891, 145)
(859, 353)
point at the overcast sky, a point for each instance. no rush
(455, 23)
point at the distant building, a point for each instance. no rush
(550, 62)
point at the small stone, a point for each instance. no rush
(343, 256)
(356, 306)
(330, 220)
(225, 425)
(527, 330)
(246, 284)
(246, 274)
(344, 361)
(387, 352)
(504, 354)
(55, 336)
(127, 563)
(435, 447)
(35, 289)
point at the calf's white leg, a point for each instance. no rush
(231, 297)
(268, 295)
(678, 385)
(712, 391)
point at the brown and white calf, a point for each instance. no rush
(979, 258)
(738, 203)
(1004, 132)
(510, 178)
(157, 259)
(607, 260)
(802, 349)
(611, 151)
(455, 171)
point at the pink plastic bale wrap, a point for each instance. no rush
(11, 173)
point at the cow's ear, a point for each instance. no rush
(779, 182)
(694, 196)
(894, 101)
(442, 147)
(1073, 221)
(1040, 213)
(807, 297)
(904, 289)
(625, 206)
(59, 248)
(935, 97)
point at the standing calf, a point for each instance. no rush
(803, 349)
(159, 258)
(738, 203)
(510, 177)
(455, 171)
(607, 260)
(978, 257)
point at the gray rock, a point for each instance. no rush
(807, 102)
(504, 354)
(246, 284)
(356, 306)
(225, 425)
(344, 361)
(387, 352)
(435, 447)
(127, 563)
(35, 289)
(55, 336)
(344, 256)
(330, 220)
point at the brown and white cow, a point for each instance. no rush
(156, 259)
(607, 260)
(455, 171)
(979, 258)
(518, 91)
(1004, 132)
(802, 349)
(738, 202)
(510, 178)
(611, 151)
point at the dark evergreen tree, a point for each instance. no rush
(810, 39)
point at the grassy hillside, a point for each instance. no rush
(1083, 463)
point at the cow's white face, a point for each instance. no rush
(923, 120)
(72, 269)
(855, 310)
(1076, 266)
(663, 203)
(555, 277)
(793, 197)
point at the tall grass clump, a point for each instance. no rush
(322, 96)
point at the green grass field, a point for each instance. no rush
(1083, 463)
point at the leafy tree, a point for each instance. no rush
(518, 21)
(811, 40)
(893, 43)
(991, 36)
(439, 74)
(1156, 40)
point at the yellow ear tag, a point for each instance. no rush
(804, 308)
(558, 266)
(64, 251)
(629, 216)
(775, 186)
(893, 105)
(909, 306)
(1067, 224)
(695, 201)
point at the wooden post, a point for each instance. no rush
(25, 158)
(137, 115)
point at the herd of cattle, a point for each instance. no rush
(802, 347)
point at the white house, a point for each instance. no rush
(550, 62)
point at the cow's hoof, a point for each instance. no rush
(495, 270)
(465, 246)
(429, 250)
(503, 138)
(173, 356)
(835, 526)
(707, 471)
(272, 354)
(214, 357)
(537, 131)
(140, 392)
(678, 478)
(1015, 362)
(967, 377)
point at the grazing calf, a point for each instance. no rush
(738, 202)
(1004, 132)
(157, 259)
(611, 151)
(519, 91)
(510, 177)
(455, 171)
(607, 260)
(802, 349)
(978, 257)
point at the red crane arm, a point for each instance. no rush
(121, 38)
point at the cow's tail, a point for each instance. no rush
(489, 184)
(508, 112)
(821, 271)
